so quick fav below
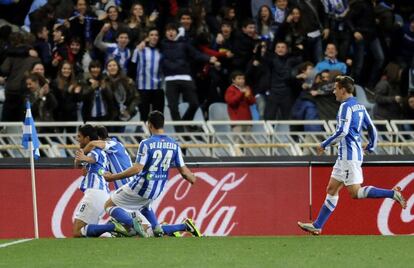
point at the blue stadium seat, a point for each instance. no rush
(218, 111)
(198, 116)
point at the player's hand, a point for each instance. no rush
(80, 155)
(320, 150)
(108, 176)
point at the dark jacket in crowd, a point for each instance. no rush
(361, 18)
(243, 50)
(177, 56)
(282, 74)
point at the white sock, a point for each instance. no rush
(331, 201)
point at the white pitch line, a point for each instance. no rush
(15, 242)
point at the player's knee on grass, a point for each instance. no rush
(77, 226)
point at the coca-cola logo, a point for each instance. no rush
(213, 217)
(389, 207)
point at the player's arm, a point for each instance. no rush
(187, 174)
(81, 157)
(98, 144)
(182, 168)
(372, 133)
(342, 129)
(135, 169)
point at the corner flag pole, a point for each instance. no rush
(31, 141)
(32, 169)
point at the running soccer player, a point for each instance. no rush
(94, 186)
(154, 158)
(352, 117)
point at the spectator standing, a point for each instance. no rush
(98, 101)
(123, 89)
(68, 92)
(388, 100)
(331, 62)
(148, 76)
(175, 64)
(119, 50)
(239, 97)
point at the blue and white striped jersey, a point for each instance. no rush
(118, 160)
(148, 68)
(352, 118)
(93, 179)
(122, 56)
(156, 154)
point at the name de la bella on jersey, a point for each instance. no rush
(163, 145)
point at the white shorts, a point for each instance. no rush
(348, 171)
(125, 198)
(91, 207)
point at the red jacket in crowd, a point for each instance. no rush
(238, 104)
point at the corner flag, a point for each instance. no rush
(29, 132)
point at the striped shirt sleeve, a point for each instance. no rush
(94, 155)
(179, 160)
(142, 154)
(372, 132)
(342, 129)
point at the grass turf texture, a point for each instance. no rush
(300, 251)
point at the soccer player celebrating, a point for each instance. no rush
(118, 161)
(352, 117)
(154, 158)
(94, 186)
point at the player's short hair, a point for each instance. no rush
(156, 118)
(102, 132)
(346, 82)
(88, 131)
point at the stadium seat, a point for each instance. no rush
(167, 117)
(362, 98)
(218, 111)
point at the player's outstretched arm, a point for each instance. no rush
(187, 174)
(98, 144)
(135, 169)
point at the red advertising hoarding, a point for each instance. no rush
(224, 201)
(368, 216)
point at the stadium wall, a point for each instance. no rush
(230, 198)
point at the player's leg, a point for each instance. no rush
(354, 180)
(331, 200)
(334, 186)
(77, 227)
(125, 198)
(91, 208)
(358, 192)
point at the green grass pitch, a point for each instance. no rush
(299, 251)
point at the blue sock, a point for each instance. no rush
(121, 215)
(373, 192)
(95, 230)
(150, 215)
(171, 228)
(326, 210)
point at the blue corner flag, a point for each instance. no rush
(29, 132)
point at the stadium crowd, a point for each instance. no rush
(107, 60)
